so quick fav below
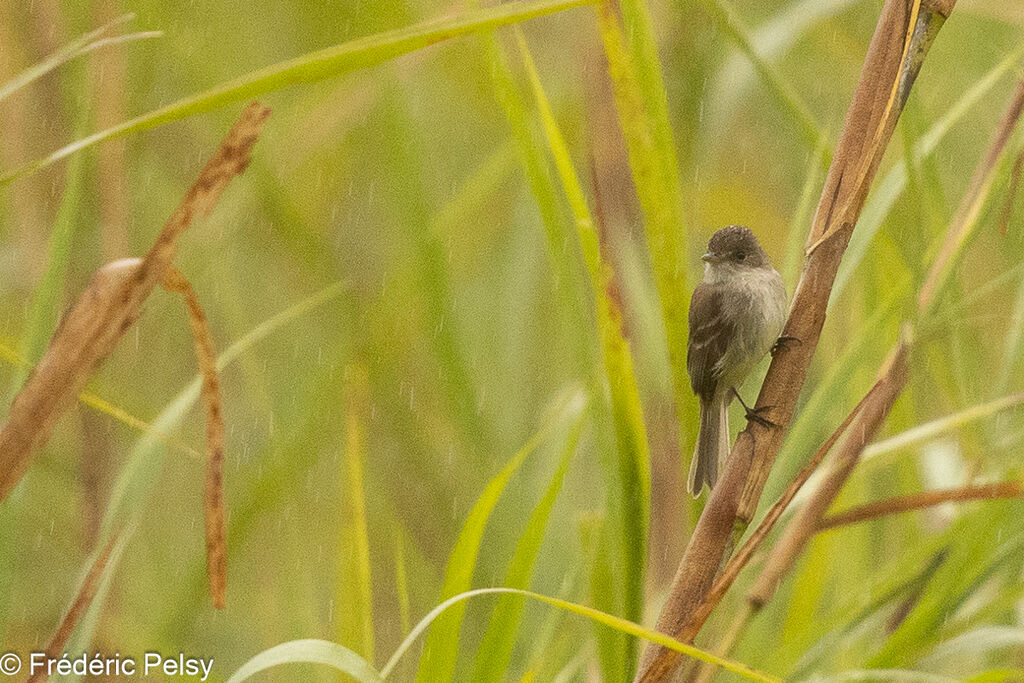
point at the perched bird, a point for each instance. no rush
(736, 315)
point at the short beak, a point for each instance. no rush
(709, 258)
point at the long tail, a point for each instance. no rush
(712, 445)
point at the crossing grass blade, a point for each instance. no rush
(136, 479)
(313, 67)
(495, 651)
(441, 650)
(355, 589)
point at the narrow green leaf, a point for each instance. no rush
(772, 39)
(1013, 345)
(634, 485)
(316, 66)
(309, 651)
(355, 591)
(45, 307)
(997, 676)
(83, 637)
(617, 623)
(441, 650)
(139, 472)
(894, 675)
(639, 100)
(974, 645)
(495, 650)
(929, 430)
(536, 168)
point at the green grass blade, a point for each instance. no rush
(311, 652)
(316, 66)
(770, 40)
(495, 650)
(930, 430)
(617, 623)
(441, 650)
(76, 48)
(633, 493)
(45, 307)
(975, 644)
(639, 99)
(530, 151)
(402, 581)
(790, 101)
(884, 197)
(893, 675)
(142, 467)
(355, 591)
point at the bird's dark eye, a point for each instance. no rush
(740, 256)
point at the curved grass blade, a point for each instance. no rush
(441, 650)
(617, 623)
(632, 492)
(313, 67)
(495, 650)
(974, 644)
(76, 48)
(537, 171)
(309, 651)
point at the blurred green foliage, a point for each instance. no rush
(418, 223)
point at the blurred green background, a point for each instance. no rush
(428, 336)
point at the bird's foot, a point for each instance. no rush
(783, 343)
(755, 414)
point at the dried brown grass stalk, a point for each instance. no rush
(860, 433)
(213, 490)
(902, 38)
(86, 593)
(106, 309)
(110, 304)
(918, 501)
(809, 519)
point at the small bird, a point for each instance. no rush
(736, 315)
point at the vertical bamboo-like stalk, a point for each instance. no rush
(905, 31)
